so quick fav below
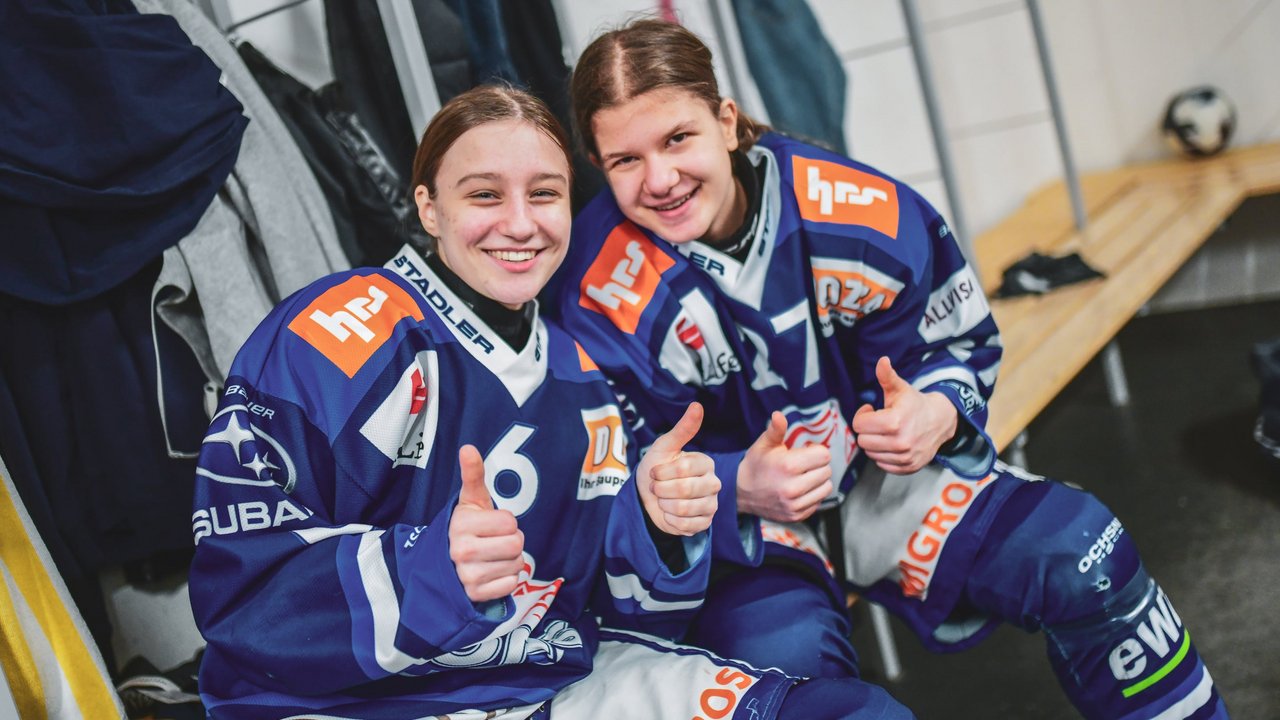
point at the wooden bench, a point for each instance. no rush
(1144, 222)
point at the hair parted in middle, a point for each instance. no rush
(643, 55)
(479, 106)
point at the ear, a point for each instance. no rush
(594, 159)
(728, 120)
(426, 211)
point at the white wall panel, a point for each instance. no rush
(997, 171)
(1083, 70)
(986, 71)
(1245, 64)
(581, 21)
(853, 26)
(885, 121)
(943, 11)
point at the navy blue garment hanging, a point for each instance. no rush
(114, 137)
(799, 74)
(486, 35)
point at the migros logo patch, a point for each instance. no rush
(621, 281)
(920, 556)
(349, 322)
(828, 192)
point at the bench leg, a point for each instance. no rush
(1113, 369)
(1018, 450)
(884, 639)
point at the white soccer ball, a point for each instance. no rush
(1199, 121)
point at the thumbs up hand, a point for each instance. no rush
(905, 435)
(780, 483)
(486, 546)
(679, 489)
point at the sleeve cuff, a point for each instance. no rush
(970, 454)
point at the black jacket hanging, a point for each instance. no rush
(365, 72)
(370, 202)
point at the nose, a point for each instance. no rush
(660, 176)
(518, 223)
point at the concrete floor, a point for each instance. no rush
(1180, 469)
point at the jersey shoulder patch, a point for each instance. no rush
(623, 277)
(352, 319)
(832, 192)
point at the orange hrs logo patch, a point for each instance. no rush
(349, 322)
(621, 281)
(829, 192)
(604, 469)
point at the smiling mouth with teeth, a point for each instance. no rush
(681, 201)
(513, 255)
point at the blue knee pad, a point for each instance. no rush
(775, 616)
(1058, 560)
(1053, 555)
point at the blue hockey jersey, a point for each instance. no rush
(845, 265)
(322, 579)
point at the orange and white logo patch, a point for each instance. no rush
(604, 469)
(621, 281)
(848, 291)
(919, 558)
(349, 322)
(829, 192)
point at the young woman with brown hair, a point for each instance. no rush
(796, 291)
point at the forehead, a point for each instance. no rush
(506, 148)
(647, 116)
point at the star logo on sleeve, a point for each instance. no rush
(267, 463)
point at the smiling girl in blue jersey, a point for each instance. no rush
(416, 496)
(824, 315)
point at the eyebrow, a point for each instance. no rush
(683, 125)
(494, 177)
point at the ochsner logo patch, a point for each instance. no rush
(1102, 547)
(955, 308)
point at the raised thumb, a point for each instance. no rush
(890, 382)
(775, 433)
(674, 440)
(473, 491)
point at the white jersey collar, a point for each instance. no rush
(745, 280)
(521, 372)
